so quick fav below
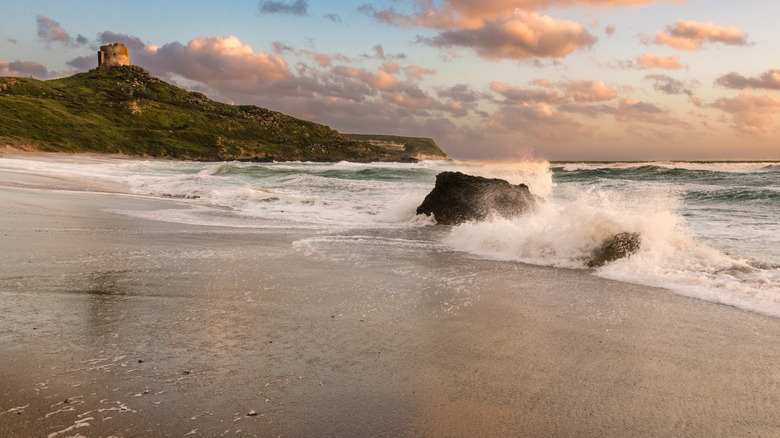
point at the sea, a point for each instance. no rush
(708, 230)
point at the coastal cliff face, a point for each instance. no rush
(124, 110)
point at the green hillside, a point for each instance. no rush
(124, 110)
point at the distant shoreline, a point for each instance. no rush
(33, 151)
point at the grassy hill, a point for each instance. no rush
(124, 110)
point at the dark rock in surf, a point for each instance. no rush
(618, 246)
(458, 198)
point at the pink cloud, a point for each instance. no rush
(520, 36)
(769, 80)
(50, 31)
(416, 73)
(573, 91)
(524, 95)
(461, 93)
(632, 110)
(320, 58)
(24, 68)
(214, 59)
(381, 80)
(691, 35)
(751, 114)
(469, 14)
(540, 113)
(589, 91)
(391, 67)
(669, 85)
(539, 121)
(650, 61)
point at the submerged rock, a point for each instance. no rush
(618, 246)
(458, 198)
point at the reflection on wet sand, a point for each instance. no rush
(119, 326)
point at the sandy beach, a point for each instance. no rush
(114, 325)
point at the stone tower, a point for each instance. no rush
(112, 55)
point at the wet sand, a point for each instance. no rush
(113, 325)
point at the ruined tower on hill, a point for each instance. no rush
(112, 55)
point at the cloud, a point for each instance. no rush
(589, 110)
(469, 14)
(416, 73)
(589, 98)
(521, 36)
(576, 91)
(539, 121)
(769, 80)
(610, 30)
(540, 112)
(214, 59)
(669, 85)
(630, 110)
(589, 91)
(83, 63)
(132, 43)
(751, 114)
(650, 61)
(649, 121)
(279, 47)
(691, 35)
(333, 17)
(517, 95)
(380, 80)
(462, 93)
(24, 68)
(300, 7)
(50, 31)
(379, 53)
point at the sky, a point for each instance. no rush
(488, 79)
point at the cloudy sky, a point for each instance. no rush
(488, 79)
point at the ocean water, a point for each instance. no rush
(709, 230)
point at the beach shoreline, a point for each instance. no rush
(117, 325)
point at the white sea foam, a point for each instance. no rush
(713, 250)
(721, 166)
(568, 227)
(564, 232)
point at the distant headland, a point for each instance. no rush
(119, 108)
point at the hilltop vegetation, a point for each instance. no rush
(124, 110)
